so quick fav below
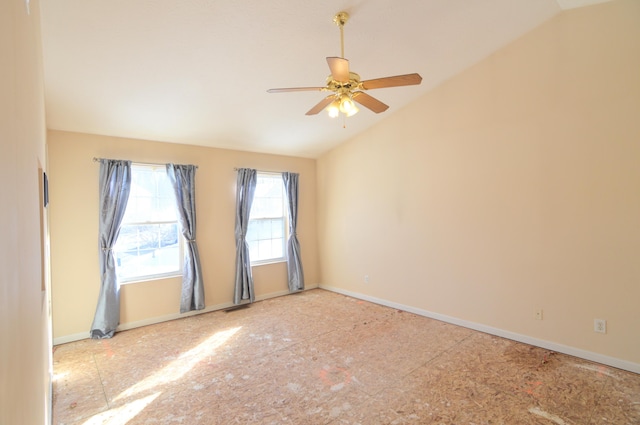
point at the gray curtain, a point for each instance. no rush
(114, 186)
(294, 260)
(182, 178)
(245, 188)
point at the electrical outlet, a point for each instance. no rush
(539, 314)
(600, 326)
(366, 278)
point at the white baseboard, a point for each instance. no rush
(572, 351)
(159, 319)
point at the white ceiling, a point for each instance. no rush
(197, 71)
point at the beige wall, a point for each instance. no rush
(74, 227)
(25, 346)
(513, 187)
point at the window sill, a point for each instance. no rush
(267, 262)
(149, 279)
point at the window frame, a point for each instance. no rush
(285, 221)
(155, 276)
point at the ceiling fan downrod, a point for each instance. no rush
(340, 19)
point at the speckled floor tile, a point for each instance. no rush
(78, 393)
(322, 358)
(619, 401)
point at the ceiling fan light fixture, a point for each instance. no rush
(334, 109)
(346, 104)
(342, 103)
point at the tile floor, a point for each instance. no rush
(322, 358)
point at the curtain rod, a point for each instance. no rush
(261, 171)
(134, 162)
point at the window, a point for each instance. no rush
(266, 233)
(150, 243)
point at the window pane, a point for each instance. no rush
(252, 231)
(143, 176)
(168, 235)
(151, 198)
(253, 252)
(147, 236)
(131, 214)
(277, 228)
(257, 208)
(266, 231)
(132, 264)
(277, 247)
(268, 198)
(149, 243)
(273, 207)
(266, 208)
(144, 250)
(264, 250)
(164, 210)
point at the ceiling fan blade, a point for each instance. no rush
(295, 89)
(339, 69)
(321, 105)
(369, 102)
(395, 81)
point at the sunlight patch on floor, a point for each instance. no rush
(123, 414)
(179, 367)
(59, 375)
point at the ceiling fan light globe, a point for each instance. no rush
(352, 111)
(333, 109)
(346, 105)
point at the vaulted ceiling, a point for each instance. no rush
(197, 71)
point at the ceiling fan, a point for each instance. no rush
(346, 86)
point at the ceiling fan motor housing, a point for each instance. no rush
(348, 86)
